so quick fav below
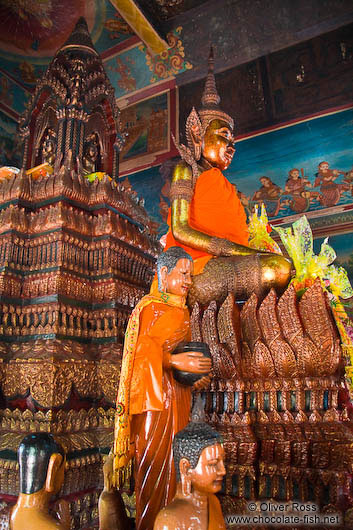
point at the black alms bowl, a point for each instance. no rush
(188, 378)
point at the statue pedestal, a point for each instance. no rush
(287, 434)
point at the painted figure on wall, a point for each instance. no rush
(207, 218)
(152, 406)
(42, 466)
(348, 180)
(117, 27)
(6, 95)
(198, 458)
(330, 192)
(296, 187)
(270, 194)
(125, 81)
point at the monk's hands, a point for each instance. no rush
(193, 361)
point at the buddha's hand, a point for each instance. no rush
(193, 361)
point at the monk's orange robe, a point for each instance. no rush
(159, 406)
(216, 210)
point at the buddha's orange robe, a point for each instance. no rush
(216, 210)
(159, 406)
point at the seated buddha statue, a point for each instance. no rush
(207, 218)
(90, 155)
(49, 147)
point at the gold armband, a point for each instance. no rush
(182, 189)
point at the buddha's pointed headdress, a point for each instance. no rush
(210, 100)
(198, 121)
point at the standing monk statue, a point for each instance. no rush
(207, 218)
(152, 406)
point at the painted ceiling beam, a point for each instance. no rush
(133, 15)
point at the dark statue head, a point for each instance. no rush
(191, 441)
(34, 455)
(169, 259)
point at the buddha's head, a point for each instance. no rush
(198, 458)
(174, 271)
(209, 131)
(42, 464)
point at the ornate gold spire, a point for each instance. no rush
(210, 96)
(198, 121)
(210, 100)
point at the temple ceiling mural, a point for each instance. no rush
(31, 31)
(145, 42)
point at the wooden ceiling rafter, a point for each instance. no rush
(133, 15)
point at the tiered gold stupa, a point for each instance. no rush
(76, 254)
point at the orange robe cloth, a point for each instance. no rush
(159, 406)
(215, 210)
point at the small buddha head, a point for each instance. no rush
(198, 458)
(174, 271)
(42, 464)
(210, 130)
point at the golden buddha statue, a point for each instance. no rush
(49, 148)
(90, 155)
(207, 218)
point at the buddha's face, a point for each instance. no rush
(178, 281)
(48, 146)
(217, 146)
(208, 475)
(92, 152)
